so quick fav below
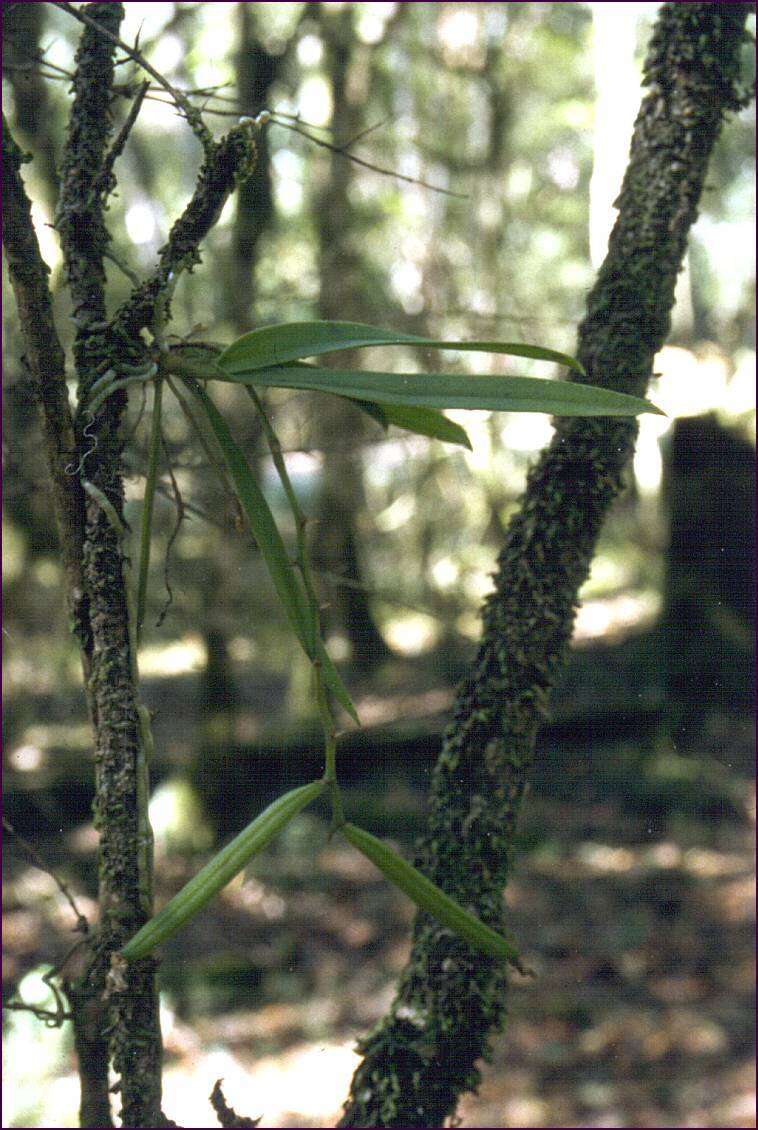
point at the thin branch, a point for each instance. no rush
(30, 69)
(362, 133)
(103, 182)
(82, 925)
(52, 1019)
(180, 100)
(340, 151)
(46, 365)
(227, 163)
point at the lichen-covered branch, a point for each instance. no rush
(46, 365)
(130, 1019)
(227, 163)
(423, 1055)
(103, 348)
(45, 362)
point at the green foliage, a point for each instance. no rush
(301, 615)
(444, 390)
(429, 897)
(272, 356)
(221, 870)
(276, 345)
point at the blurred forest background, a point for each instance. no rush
(633, 892)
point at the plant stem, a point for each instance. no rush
(304, 566)
(301, 521)
(147, 506)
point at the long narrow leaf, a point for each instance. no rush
(262, 525)
(429, 897)
(421, 421)
(291, 341)
(333, 681)
(274, 552)
(445, 390)
(220, 870)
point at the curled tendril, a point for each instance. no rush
(70, 469)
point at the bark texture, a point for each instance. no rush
(132, 1022)
(114, 1005)
(423, 1055)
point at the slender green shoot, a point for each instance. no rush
(147, 505)
(302, 561)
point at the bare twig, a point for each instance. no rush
(361, 134)
(104, 182)
(52, 1019)
(81, 922)
(341, 151)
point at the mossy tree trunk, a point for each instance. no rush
(423, 1055)
(114, 1005)
(93, 558)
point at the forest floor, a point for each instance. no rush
(640, 931)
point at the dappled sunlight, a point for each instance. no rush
(411, 634)
(689, 383)
(177, 658)
(615, 616)
(177, 818)
(377, 711)
(635, 1018)
(303, 1087)
(630, 866)
(26, 758)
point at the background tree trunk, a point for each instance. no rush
(709, 598)
(336, 544)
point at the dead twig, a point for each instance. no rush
(82, 925)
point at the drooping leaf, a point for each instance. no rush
(421, 421)
(446, 390)
(220, 870)
(262, 524)
(429, 897)
(273, 549)
(291, 341)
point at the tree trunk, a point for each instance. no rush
(423, 1055)
(114, 1004)
(257, 70)
(709, 595)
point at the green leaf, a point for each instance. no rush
(291, 341)
(445, 390)
(428, 896)
(333, 681)
(262, 525)
(220, 870)
(422, 421)
(272, 547)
